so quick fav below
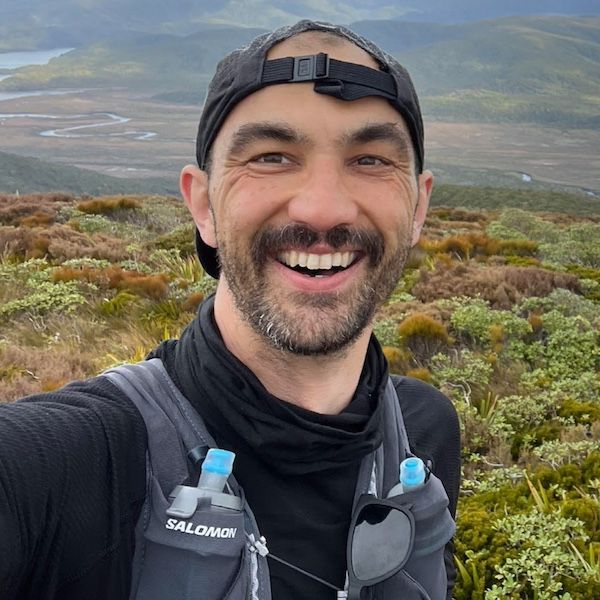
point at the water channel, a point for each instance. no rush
(9, 61)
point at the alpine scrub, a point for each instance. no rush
(498, 309)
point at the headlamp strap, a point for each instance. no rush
(319, 67)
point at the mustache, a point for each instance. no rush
(271, 240)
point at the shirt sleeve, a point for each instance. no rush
(71, 473)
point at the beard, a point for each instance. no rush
(309, 324)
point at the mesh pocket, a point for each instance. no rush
(200, 557)
(424, 576)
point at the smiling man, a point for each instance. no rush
(308, 195)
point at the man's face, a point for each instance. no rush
(313, 200)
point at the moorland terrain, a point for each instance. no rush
(499, 308)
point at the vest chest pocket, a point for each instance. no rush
(424, 575)
(204, 556)
(402, 587)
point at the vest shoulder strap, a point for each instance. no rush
(174, 427)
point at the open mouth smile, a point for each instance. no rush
(317, 265)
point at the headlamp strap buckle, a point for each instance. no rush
(311, 67)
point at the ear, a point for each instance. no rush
(425, 183)
(193, 184)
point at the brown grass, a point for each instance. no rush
(392, 311)
(108, 204)
(32, 210)
(502, 286)
(420, 373)
(399, 359)
(192, 302)
(423, 335)
(149, 286)
(470, 245)
(60, 242)
(33, 370)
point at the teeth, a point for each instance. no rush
(313, 262)
(302, 259)
(316, 262)
(326, 261)
(293, 258)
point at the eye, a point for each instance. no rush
(273, 158)
(372, 161)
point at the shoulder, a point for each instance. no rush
(92, 404)
(66, 432)
(420, 400)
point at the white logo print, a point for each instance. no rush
(204, 530)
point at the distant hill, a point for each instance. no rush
(32, 24)
(158, 62)
(533, 69)
(495, 198)
(28, 175)
(527, 69)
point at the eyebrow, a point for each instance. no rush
(250, 133)
(379, 132)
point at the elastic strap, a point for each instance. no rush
(326, 71)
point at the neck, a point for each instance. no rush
(324, 384)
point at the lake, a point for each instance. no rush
(15, 60)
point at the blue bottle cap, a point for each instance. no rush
(218, 461)
(412, 472)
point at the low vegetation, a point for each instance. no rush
(500, 309)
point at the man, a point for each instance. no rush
(310, 190)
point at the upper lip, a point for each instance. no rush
(316, 260)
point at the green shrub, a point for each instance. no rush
(565, 302)
(473, 321)
(47, 297)
(181, 238)
(461, 373)
(558, 453)
(522, 539)
(386, 331)
(543, 557)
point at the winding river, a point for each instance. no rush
(13, 60)
(76, 130)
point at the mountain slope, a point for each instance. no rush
(26, 175)
(30, 24)
(159, 62)
(526, 69)
(536, 69)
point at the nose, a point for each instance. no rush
(323, 200)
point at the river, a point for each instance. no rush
(69, 132)
(15, 60)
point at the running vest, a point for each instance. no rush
(213, 554)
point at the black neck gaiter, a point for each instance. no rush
(242, 415)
